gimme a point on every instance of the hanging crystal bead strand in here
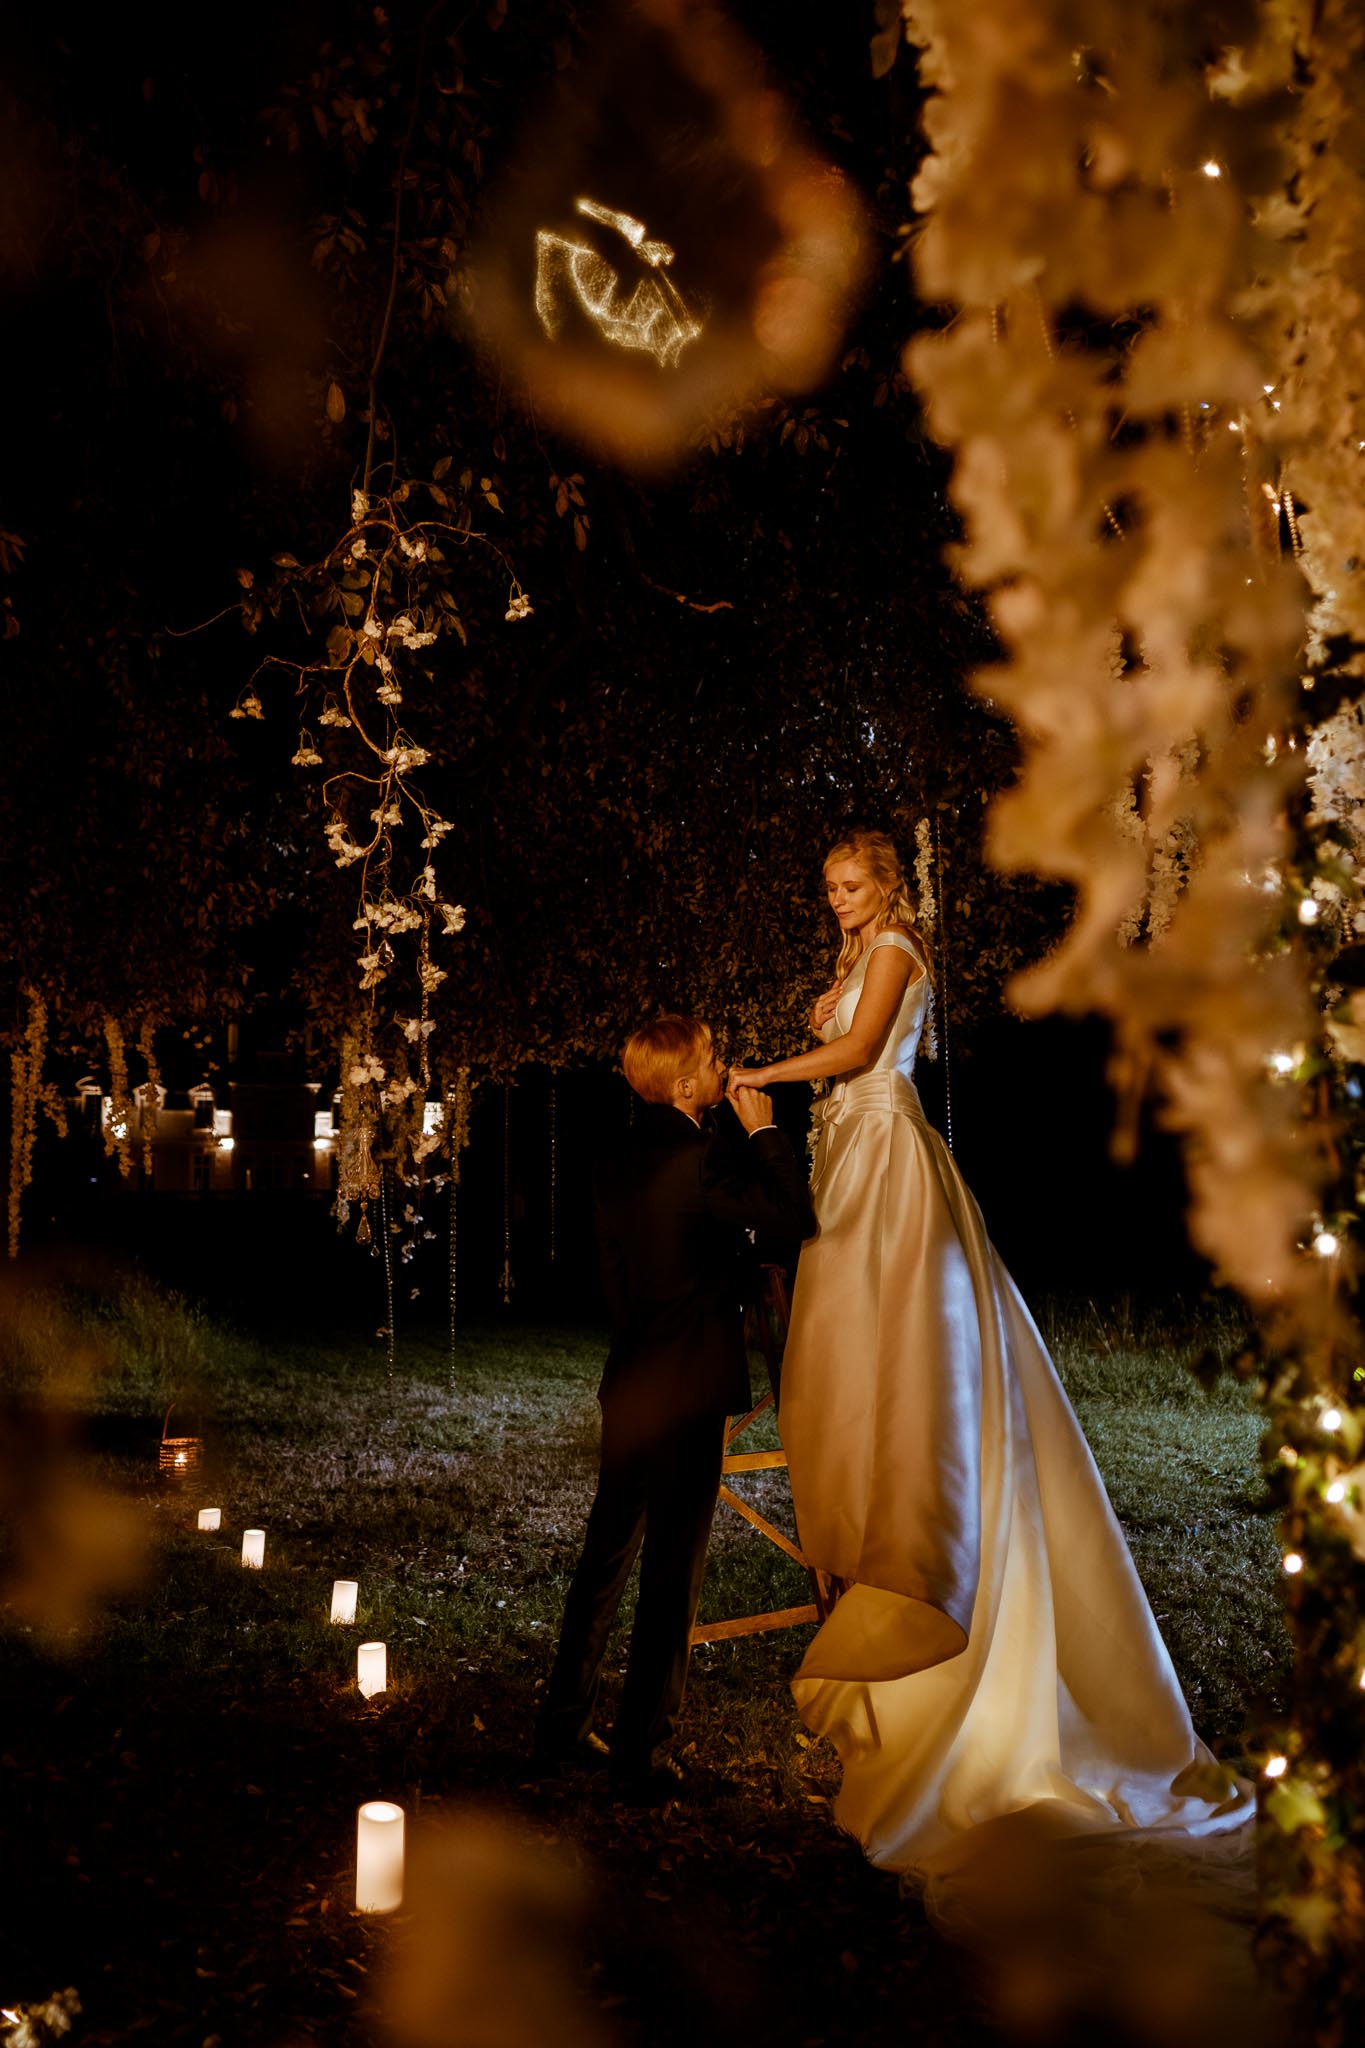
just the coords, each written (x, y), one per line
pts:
(943, 1004)
(506, 1195)
(388, 1263)
(455, 1188)
(553, 1168)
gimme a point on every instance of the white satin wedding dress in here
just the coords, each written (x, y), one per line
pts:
(996, 1652)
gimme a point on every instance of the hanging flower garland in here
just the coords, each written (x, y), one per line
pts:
(1081, 185)
(387, 590)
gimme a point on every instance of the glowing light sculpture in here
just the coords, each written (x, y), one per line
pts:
(654, 319)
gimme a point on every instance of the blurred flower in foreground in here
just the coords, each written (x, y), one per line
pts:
(666, 245)
(1084, 1938)
(493, 1953)
(68, 1543)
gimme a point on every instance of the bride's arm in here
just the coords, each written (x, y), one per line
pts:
(889, 973)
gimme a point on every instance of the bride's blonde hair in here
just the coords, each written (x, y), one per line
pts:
(877, 856)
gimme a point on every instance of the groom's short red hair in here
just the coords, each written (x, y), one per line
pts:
(661, 1052)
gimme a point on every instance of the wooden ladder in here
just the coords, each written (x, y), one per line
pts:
(771, 1318)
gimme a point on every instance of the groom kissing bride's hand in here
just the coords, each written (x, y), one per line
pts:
(676, 1195)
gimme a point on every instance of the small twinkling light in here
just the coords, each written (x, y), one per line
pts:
(1335, 1492)
(1288, 1455)
(1331, 1418)
(1211, 169)
(1326, 1244)
(1308, 910)
(1276, 1766)
(1282, 1062)
(1293, 1563)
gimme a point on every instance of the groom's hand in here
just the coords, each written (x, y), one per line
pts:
(753, 1108)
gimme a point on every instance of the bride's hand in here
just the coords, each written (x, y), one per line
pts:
(748, 1077)
(825, 1006)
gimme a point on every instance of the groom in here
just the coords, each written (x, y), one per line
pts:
(674, 1201)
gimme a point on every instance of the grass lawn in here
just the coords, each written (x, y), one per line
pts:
(178, 1783)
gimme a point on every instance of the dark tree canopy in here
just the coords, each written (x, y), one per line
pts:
(217, 336)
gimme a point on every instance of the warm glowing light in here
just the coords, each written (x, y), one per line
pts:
(655, 318)
(1276, 1766)
(210, 1518)
(1293, 1563)
(1288, 1455)
(226, 1144)
(344, 1593)
(1309, 910)
(253, 1549)
(372, 1669)
(1335, 1492)
(1331, 1418)
(1326, 1244)
(1267, 388)
(1211, 169)
(1282, 1062)
(322, 1144)
(181, 1459)
(379, 1857)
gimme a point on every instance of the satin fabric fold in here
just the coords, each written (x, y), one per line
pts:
(996, 1651)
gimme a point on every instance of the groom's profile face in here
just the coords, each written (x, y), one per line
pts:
(709, 1080)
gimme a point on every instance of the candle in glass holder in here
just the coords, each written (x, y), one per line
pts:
(343, 1599)
(253, 1548)
(379, 1857)
(372, 1668)
(210, 1518)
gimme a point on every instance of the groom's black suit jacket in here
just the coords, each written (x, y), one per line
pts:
(673, 1204)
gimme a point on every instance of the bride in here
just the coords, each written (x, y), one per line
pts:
(994, 1652)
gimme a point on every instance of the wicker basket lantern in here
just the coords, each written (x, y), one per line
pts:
(180, 1455)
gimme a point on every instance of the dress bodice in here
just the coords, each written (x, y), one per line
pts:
(898, 1049)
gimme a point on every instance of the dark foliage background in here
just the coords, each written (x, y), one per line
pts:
(196, 249)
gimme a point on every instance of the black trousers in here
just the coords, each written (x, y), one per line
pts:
(656, 1499)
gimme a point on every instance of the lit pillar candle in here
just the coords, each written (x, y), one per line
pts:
(343, 1599)
(210, 1518)
(379, 1857)
(253, 1548)
(372, 1669)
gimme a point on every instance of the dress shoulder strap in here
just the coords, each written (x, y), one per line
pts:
(898, 940)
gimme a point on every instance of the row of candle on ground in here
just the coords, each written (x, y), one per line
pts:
(372, 1659)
